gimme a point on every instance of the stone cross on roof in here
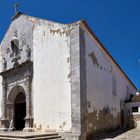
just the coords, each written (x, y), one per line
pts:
(16, 7)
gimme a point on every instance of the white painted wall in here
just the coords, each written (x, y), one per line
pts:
(51, 85)
(0, 82)
(99, 81)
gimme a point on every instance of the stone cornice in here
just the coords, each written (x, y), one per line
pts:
(14, 69)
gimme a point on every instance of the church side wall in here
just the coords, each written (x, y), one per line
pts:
(51, 81)
(107, 89)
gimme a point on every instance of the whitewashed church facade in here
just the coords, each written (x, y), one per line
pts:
(59, 77)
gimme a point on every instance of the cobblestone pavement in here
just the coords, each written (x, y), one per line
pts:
(133, 134)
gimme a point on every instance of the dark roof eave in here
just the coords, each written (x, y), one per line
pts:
(16, 16)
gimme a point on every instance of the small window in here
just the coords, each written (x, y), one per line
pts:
(114, 85)
(127, 90)
(135, 109)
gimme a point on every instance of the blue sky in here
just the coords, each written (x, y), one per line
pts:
(115, 22)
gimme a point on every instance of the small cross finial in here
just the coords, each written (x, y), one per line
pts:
(16, 7)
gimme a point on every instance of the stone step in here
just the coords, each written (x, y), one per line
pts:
(46, 138)
(30, 136)
(36, 138)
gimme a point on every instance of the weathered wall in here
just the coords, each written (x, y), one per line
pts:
(52, 88)
(107, 89)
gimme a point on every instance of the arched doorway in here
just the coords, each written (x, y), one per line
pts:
(19, 111)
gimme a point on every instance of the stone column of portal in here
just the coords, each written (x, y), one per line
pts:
(4, 94)
(29, 118)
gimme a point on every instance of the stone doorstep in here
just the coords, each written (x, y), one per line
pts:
(26, 135)
(46, 138)
(36, 138)
(39, 138)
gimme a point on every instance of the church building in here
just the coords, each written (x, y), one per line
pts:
(60, 78)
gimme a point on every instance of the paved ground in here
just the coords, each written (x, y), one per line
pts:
(133, 134)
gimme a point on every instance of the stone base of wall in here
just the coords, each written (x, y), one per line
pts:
(101, 132)
(134, 121)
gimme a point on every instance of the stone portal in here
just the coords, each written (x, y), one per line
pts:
(17, 98)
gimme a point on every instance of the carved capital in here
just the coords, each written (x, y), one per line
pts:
(4, 82)
(28, 51)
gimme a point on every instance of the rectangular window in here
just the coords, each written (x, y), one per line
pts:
(127, 90)
(135, 109)
(114, 86)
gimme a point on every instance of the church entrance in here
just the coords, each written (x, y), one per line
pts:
(20, 111)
